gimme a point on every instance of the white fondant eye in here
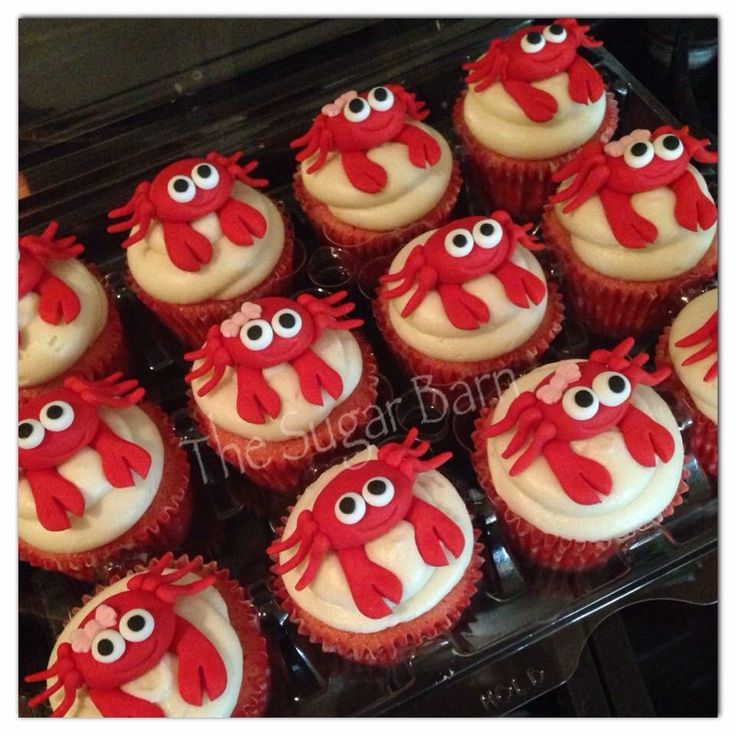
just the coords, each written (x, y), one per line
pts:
(205, 176)
(357, 110)
(381, 99)
(256, 334)
(30, 434)
(487, 233)
(108, 646)
(532, 43)
(612, 388)
(286, 323)
(350, 508)
(57, 416)
(459, 242)
(669, 147)
(137, 625)
(555, 33)
(378, 491)
(181, 189)
(639, 154)
(580, 403)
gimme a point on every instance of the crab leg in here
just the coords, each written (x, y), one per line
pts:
(423, 149)
(537, 104)
(522, 402)
(693, 208)
(432, 529)
(412, 266)
(363, 173)
(628, 226)
(529, 420)
(544, 433)
(54, 496)
(465, 310)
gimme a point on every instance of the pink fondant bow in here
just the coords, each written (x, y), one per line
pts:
(333, 109)
(618, 148)
(566, 373)
(105, 618)
(248, 311)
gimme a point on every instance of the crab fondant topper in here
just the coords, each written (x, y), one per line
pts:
(459, 252)
(188, 190)
(56, 425)
(707, 333)
(639, 162)
(580, 400)
(535, 53)
(125, 637)
(356, 123)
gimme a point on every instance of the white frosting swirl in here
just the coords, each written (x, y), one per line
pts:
(691, 318)
(109, 512)
(328, 597)
(638, 494)
(428, 330)
(234, 269)
(338, 348)
(496, 120)
(409, 194)
(675, 251)
(208, 612)
(46, 350)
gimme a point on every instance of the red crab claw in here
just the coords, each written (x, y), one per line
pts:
(585, 84)
(520, 285)
(317, 139)
(57, 301)
(537, 104)
(200, 667)
(54, 496)
(255, 398)
(465, 310)
(240, 222)
(45, 245)
(490, 68)
(432, 529)
(188, 250)
(327, 311)
(581, 478)
(116, 703)
(139, 210)
(110, 391)
(315, 375)
(241, 173)
(628, 226)
(369, 583)
(645, 439)
(68, 677)
(693, 209)
(120, 457)
(363, 174)
(423, 149)
(214, 357)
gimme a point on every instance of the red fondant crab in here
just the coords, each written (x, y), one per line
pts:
(268, 332)
(184, 192)
(362, 503)
(535, 53)
(355, 123)
(57, 301)
(126, 636)
(707, 333)
(578, 401)
(56, 425)
(639, 162)
(458, 252)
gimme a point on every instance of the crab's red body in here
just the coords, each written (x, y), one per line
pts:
(58, 302)
(578, 401)
(361, 504)
(535, 53)
(356, 123)
(184, 192)
(56, 425)
(639, 162)
(707, 333)
(459, 252)
(125, 637)
(266, 333)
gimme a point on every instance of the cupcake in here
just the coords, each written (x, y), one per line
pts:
(633, 225)
(67, 322)
(532, 102)
(578, 455)
(690, 347)
(101, 475)
(201, 240)
(281, 382)
(378, 555)
(372, 175)
(175, 639)
(467, 300)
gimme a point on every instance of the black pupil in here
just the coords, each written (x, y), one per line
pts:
(381, 94)
(181, 185)
(487, 229)
(356, 104)
(54, 411)
(347, 505)
(639, 149)
(204, 171)
(671, 142)
(287, 320)
(534, 38)
(556, 29)
(584, 399)
(25, 429)
(376, 487)
(136, 623)
(460, 241)
(255, 332)
(617, 384)
(105, 647)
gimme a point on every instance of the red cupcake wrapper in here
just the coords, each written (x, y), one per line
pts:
(521, 186)
(163, 526)
(280, 466)
(549, 550)
(256, 685)
(366, 245)
(190, 322)
(615, 308)
(397, 642)
(703, 432)
(445, 373)
(107, 354)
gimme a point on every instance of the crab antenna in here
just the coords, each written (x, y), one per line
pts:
(161, 565)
